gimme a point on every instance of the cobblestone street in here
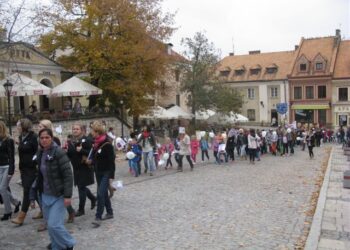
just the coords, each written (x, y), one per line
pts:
(228, 206)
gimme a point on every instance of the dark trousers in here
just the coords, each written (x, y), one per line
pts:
(83, 193)
(311, 153)
(231, 153)
(252, 153)
(188, 157)
(169, 162)
(27, 181)
(205, 152)
(102, 195)
(285, 148)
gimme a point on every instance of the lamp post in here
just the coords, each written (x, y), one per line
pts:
(8, 88)
(122, 117)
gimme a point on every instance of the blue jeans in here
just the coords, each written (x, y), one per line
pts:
(102, 194)
(148, 160)
(54, 212)
(134, 168)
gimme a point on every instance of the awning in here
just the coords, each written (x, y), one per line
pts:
(310, 106)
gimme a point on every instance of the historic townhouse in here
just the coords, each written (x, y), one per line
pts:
(341, 86)
(310, 81)
(27, 60)
(262, 80)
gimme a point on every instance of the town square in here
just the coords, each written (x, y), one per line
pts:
(161, 124)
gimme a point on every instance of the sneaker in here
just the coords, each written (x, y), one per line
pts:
(17, 207)
(179, 170)
(97, 222)
(71, 218)
(108, 217)
(93, 203)
(49, 246)
(151, 174)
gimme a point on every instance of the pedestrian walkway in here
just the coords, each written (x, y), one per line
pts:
(331, 223)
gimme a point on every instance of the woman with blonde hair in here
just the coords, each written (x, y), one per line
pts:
(7, 168)
(103, 159)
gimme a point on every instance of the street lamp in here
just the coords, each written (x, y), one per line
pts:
(8, 88)
(122, 117)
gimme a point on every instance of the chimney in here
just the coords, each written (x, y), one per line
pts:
(231, 54)
(169, 48)
(337, 32)
(253, 52)
(296, 47)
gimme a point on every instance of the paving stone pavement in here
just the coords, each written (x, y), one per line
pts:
(332, 228)
(228, 206)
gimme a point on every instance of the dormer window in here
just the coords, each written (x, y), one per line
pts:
(254, 71)
(239, 72)
(224, 73)
(271, 69)
(302, 67)
(319, 66)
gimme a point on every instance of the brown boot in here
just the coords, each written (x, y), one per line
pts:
(39, 215)
(42, 227)
(19, 219)
(71, 218)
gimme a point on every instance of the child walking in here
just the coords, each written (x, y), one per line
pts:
(204, 147)
(168, 147)
(194, 148)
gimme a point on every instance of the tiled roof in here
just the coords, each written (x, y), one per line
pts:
(282, 60)
(342, 65)
(310, 48)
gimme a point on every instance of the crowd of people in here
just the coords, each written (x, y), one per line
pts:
(49, 170)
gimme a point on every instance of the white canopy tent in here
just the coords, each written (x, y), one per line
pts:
(74, 86)
(231, 118)
(204, 115)
(178, 113)
(158, 112)
(24, 86)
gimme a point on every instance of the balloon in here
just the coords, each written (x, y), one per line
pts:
(289, 130)
(263, 133)
(211, 134)
(130, 155)
(274, 133)
(298, 139)
(202, 133)
(165, 156)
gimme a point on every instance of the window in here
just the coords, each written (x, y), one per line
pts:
(274, 92)
(319, 66)
(177, 75)
(322, 117)
(251, 93)
(178, 100)
(321, 92)
(309, 92)
(343, 94)
(254, 71)
(271, 70)
(239, 72)
(251, 114)
(224, 73)
(298, 93)
(302, 67)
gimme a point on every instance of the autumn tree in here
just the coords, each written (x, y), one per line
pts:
(118, 42)
(200, 80)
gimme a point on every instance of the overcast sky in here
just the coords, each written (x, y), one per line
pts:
(266, 25)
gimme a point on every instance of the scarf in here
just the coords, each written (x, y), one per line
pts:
(99, 140)
(145, 134)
